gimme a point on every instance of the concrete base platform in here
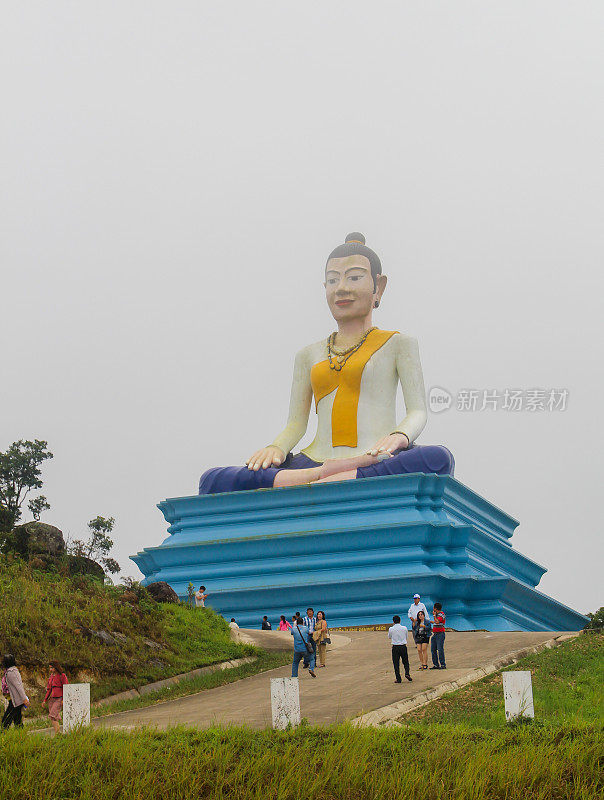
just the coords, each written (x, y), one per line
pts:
(358, 679)
(354, 549)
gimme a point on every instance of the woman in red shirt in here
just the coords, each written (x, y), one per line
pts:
(54, 693)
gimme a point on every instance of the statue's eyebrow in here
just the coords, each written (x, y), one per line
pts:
(346, 271)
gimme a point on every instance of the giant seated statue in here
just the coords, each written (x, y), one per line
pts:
(353, 376)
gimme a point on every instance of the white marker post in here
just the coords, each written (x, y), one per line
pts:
(285, 702)
(76, 706)
(518, 695)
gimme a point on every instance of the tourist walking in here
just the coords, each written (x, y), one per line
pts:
(438, 638)
(397, 634)
(266, 626)
(310, 622)
(302, 649)
(200, 597)
(284, 624)
(12, 687)
(422, 630)
(321, 637)
(54, 693)
(415, 607)
(235, 632)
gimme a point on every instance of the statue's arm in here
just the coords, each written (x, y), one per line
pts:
(411, 377)
(299, 409)
(299, 405)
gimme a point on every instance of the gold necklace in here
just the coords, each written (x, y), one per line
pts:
(342, 356)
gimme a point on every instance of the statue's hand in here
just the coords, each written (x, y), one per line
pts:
(271, 456)
(395, 441)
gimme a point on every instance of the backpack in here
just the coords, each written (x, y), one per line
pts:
(5, 690)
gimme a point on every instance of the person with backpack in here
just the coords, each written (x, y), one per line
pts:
(302, 648)
(438, 638)
(12, 687)
(54, 693)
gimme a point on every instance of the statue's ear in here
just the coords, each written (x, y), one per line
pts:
(380, 286)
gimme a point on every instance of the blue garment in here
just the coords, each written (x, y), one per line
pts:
(299, 631)
(438, 649)
(417, 458)
(296, 662)
(310, 623)
(422, 638)
(300, 651)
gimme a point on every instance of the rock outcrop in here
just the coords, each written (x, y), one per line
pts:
(38, 538)
(162, 592)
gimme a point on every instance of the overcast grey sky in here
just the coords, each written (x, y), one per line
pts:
(174, 176)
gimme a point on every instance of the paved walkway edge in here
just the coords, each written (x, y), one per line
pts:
(387, 715)
(149, 688)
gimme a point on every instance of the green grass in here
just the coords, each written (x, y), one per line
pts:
(50, 616)
(567, 688)
(264, 661)
(554, 763)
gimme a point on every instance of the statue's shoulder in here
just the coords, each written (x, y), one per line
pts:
(401, 341)
(317, 351)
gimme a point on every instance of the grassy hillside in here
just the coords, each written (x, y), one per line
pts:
(48, 616)
(567, 687)
(312, 763)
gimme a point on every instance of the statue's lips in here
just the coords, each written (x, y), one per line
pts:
(344, 302)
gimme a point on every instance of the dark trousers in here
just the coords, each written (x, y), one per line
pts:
(438, 649)
(11, 715)
(399, 652)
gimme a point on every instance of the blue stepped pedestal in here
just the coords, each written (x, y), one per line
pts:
(359, 550)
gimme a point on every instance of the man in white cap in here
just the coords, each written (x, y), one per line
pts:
(416, 607)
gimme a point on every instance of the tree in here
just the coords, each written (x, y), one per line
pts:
(191, 594)
(20, 473)
(596, 621)
(37, 506)
(98, 545)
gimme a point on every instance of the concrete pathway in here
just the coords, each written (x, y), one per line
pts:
(358, 678)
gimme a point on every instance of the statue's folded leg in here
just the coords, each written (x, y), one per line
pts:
(235, 479)
(300, 469)
(418, 458)
(242, 479)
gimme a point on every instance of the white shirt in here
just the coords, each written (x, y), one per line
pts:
(398, 634)
(415, 609)
(233, 625)
(200, 600)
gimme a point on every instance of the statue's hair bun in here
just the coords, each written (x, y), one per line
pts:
(355, 237)
(355, 245)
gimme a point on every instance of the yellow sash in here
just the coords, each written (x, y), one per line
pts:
(348, 384)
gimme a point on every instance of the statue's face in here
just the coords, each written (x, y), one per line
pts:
(349, 287)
